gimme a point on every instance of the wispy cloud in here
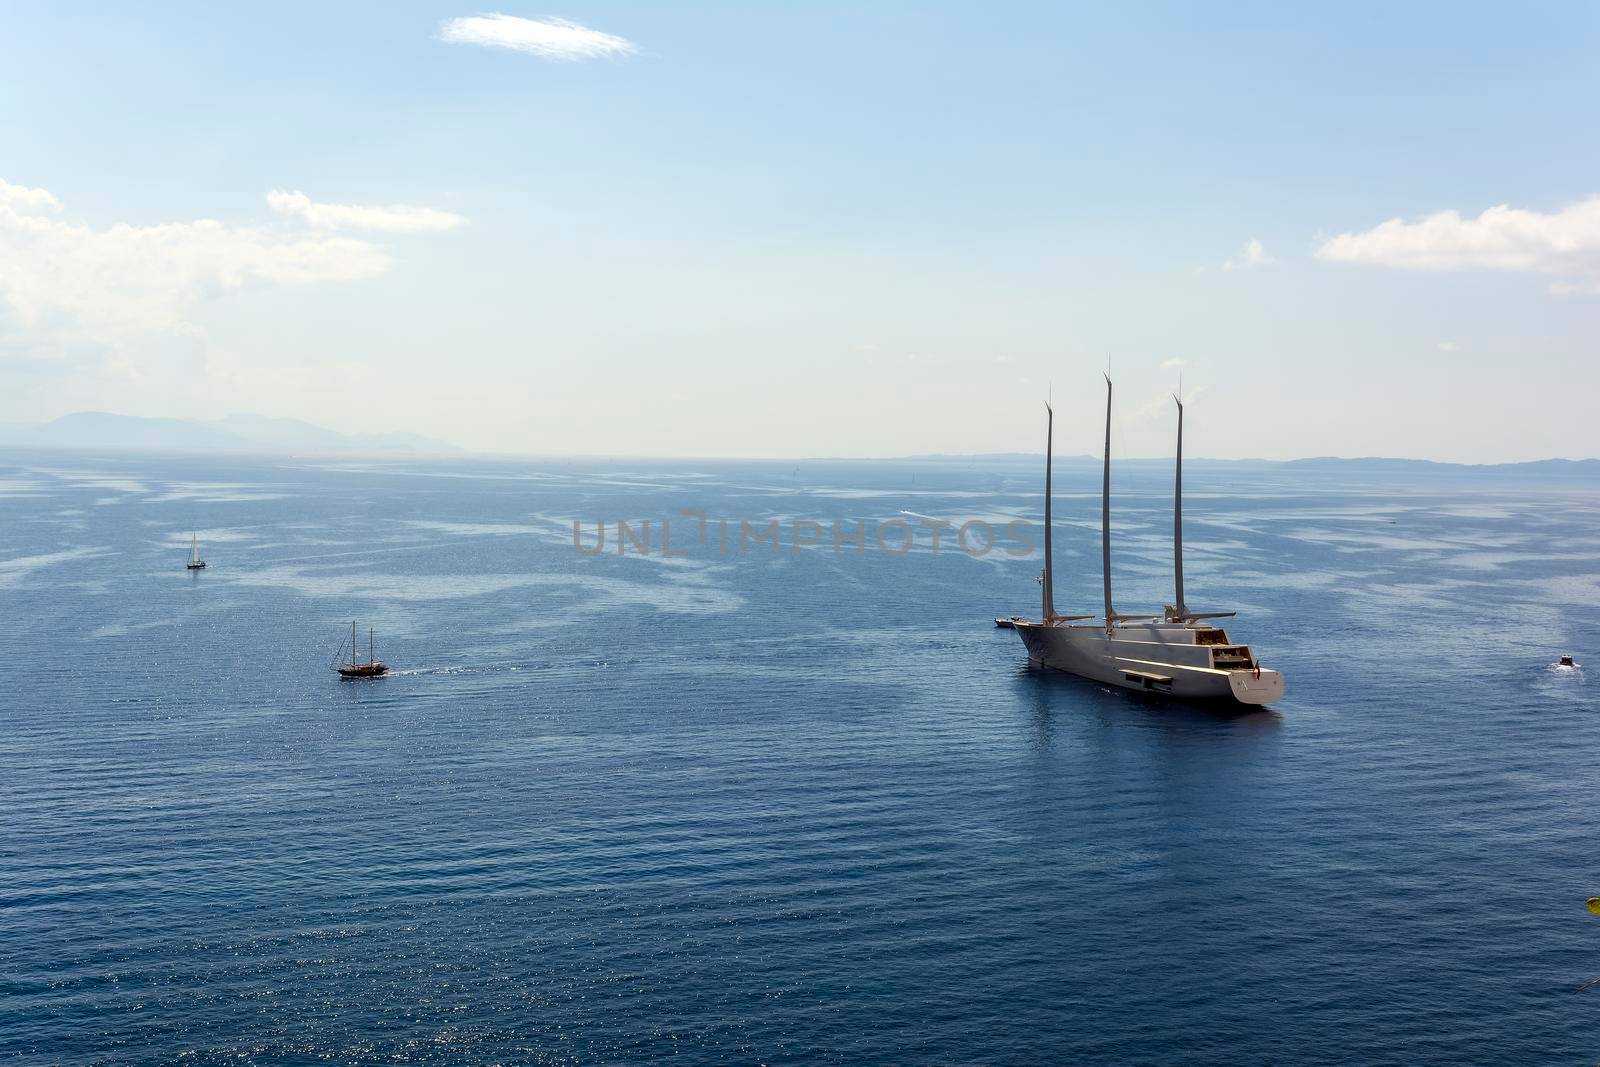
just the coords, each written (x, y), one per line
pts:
(546, 38)
(1500, 238)
(395, 218)
(110, 285)
(1159, 407)
(1170, 363)
(26, 201)
(1447, 346)
(1251, 256)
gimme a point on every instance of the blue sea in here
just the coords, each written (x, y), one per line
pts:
(797, 808)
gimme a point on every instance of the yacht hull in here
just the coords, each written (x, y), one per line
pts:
(361, 670)
(1152, 659)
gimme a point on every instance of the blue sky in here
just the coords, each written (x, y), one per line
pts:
(829, 230)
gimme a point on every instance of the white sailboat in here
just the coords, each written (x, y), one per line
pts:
(1178, 653)
(195, 562)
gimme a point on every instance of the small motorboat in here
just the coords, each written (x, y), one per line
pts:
(355, 667)
(1565, 661)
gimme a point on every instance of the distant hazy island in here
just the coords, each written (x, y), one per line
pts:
(1574, 468)
(99, 430)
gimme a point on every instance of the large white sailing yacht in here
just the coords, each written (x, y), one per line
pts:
(1179, 652)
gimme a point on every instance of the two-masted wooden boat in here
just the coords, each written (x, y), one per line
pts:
(355, 667)
(195, 562)
(1178, 653)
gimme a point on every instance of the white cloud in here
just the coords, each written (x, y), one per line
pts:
(1252, 255)
(115, 284)
(396, 218)
(1447, 346)
(547, 38)
(26, 201)
(1169, 363)
(1501, 238)
(1159, 408)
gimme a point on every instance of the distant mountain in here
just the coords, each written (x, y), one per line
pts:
(1562, 468)
(1543, 468)
(285, 435)
(236, 433)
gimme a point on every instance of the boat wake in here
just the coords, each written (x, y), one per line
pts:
(457, 669)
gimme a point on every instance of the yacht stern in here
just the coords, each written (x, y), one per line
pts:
(1256, 687)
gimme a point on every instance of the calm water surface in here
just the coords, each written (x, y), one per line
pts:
(811, 809)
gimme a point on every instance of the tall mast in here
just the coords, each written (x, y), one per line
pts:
(354, 654)
(1105, 511)
(372, 647)
(1177, 517)
(1048, 607)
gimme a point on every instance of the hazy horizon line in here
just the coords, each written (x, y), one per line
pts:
(926, 457)
(359, 443)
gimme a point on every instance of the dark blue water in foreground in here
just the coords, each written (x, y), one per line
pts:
(797, 810)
